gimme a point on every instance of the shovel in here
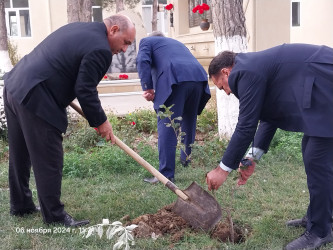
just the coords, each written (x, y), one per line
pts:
(195, 205)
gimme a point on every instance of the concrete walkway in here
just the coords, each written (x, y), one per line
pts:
(123, 103)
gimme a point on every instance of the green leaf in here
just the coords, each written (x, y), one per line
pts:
(130, 236)
(116, 223)
(91, 230)
(131, 227)
(118, 245)
(117, 230)
(100, 231)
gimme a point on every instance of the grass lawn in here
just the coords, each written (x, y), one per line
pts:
(101, 181)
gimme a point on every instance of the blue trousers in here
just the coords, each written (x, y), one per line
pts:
(186, 97)
(318, 162)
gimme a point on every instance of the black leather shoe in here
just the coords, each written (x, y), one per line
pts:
(185, 163)
(298, 222)
(21, 213)
(309, 241)
(70, 222)
(154, 180)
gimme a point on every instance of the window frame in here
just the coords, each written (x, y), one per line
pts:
(298, 22)
(194, 18)
(17, 12)
(92, 12)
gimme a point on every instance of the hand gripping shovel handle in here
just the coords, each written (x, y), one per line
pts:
(141, 161)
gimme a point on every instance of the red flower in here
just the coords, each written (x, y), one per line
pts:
(169, 6)
(205, 6)
(133, 123)
(201, 10)
(105, 77)
(123, 77)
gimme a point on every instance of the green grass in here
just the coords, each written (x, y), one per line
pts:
(101, 181)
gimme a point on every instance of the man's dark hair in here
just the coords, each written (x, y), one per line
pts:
(224, 59)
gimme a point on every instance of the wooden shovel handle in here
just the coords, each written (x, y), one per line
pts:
(141, 161)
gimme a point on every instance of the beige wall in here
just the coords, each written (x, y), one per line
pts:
(45, 17)
(268, 24)
(316, 21)
(271, 23)
(43, 21)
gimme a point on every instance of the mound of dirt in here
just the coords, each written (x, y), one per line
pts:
(166, 222)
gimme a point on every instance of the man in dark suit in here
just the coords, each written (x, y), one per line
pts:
(288, 87)
(68, 64)
(169, 75)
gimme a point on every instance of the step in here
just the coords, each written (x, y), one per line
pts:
(119, 86)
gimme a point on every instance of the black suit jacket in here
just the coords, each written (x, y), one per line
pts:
(288, 87)
(68, 64)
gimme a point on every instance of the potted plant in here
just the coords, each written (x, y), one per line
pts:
(169, 7)
(202, 11)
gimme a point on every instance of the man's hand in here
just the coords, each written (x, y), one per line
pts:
(245, 171)
(216, 178)
(149, 94)
(105, 131)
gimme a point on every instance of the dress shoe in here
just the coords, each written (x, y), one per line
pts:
(23, 212)
(298, 222)
(154, 180)
(185, 163)
(70, 222)
(309, 241)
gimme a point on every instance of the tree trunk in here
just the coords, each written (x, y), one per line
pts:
(5, 63)
(230, 34)
(154, 18)
(119, 5)
(79, 10)
(85, 10)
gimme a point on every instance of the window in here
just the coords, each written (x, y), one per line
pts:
(162, 19)
(18, 18)
(194, 17)
(97, 15)
(295, 13)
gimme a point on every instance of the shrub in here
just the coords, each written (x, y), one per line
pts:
(3, 121)
(12, 51)
(207, 120)
(145, 120)
(287, 145)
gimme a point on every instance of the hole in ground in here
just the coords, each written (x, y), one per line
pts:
(166, 222)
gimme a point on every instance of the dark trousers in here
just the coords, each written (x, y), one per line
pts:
(32, 141)
(186, 97)
(318, 161)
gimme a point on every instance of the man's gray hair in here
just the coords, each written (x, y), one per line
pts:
(157, 33)
(118, 19)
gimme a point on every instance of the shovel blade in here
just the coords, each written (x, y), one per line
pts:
(201, 210)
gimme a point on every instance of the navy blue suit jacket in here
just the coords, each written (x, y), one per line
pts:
(162, 62)
(68, 64)
(288, 87)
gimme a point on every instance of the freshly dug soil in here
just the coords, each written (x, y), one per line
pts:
(166, 222)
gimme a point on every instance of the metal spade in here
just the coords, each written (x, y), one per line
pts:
(195, 205)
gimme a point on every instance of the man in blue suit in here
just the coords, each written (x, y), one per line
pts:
(68, 64)
(288, 87)
(169, 75)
